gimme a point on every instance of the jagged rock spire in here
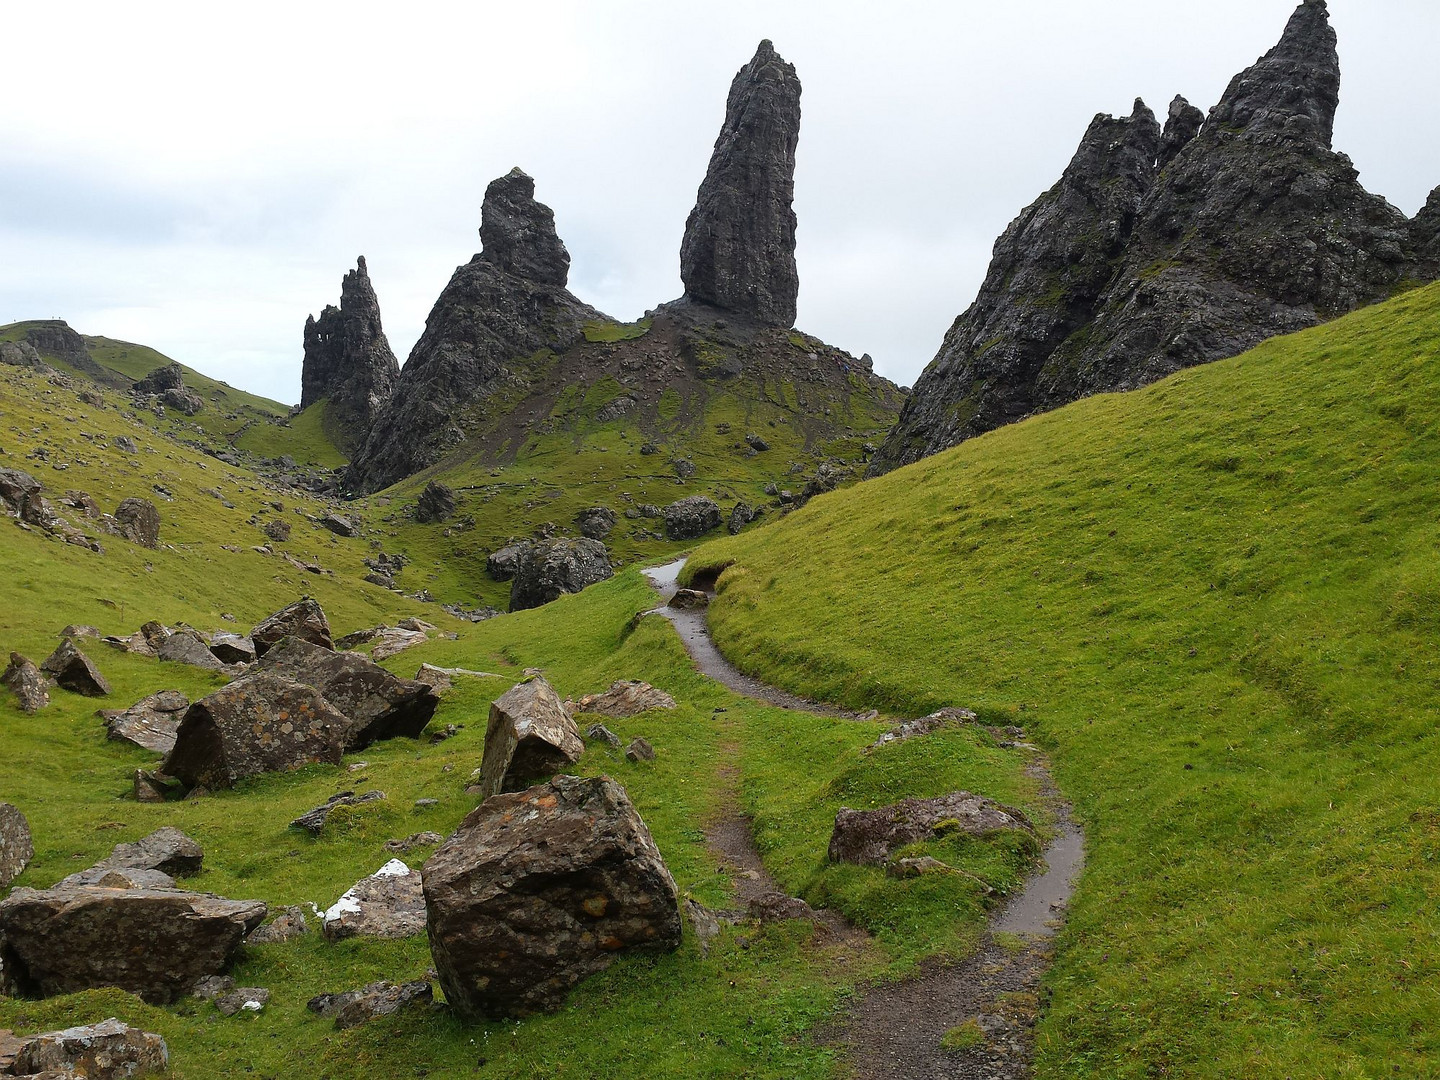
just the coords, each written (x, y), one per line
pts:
(518, 234)
(739, 247)
(1181, 126)
(1295, 87)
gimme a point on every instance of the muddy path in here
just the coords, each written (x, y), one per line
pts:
(988, 1003)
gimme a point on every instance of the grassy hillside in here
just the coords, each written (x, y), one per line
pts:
(1217, 601)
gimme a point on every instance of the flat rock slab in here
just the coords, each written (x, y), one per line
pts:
(16, 847)
(303, 619)
(387, 904)
(108, 1050)
(355, 1007)
(530, 735)
(868, 837)
(440, 678)
(243, 999)
(261, 722)
(188, 647)
(376, 704)
(539, 889)
(156, 943)
(393, 639)
(26, 683)
(166, 849)
(151, 723)
(623, 699)
(72, 670)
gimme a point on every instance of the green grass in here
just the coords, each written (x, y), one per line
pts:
(1215, 601)
(600, 330)
(964, 1036)
(301, 437)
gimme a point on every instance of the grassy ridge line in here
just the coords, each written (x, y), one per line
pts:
(1216, 600)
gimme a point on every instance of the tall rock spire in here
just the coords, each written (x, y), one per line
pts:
(739, 247)
(1295, 87)
(348, 362)
(517, 233)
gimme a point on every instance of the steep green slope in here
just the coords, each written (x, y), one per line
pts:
(1216, 600)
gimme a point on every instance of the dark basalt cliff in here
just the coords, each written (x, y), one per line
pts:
(738, 253)
(1159, 251)
(348, 362)
(502, 307)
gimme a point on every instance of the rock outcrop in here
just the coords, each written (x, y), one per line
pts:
(738, 252)
(304, 619)
(138, 520)
(1157, 251)
(508, 304)
(387, 904)
(348, 363)
(547, 569)
(74, 671)
(540, 889)
(868, 837)
(16, 846)
(30, 688)
(436, 502)
(691, 517)
(622, 700)
(529, 735)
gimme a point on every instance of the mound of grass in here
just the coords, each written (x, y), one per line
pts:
(1216, 601)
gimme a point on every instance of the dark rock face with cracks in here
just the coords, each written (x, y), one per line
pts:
(72, 670)
(156, 943)
(16, 847)
(867, 837)
(303, 619)
(138, 521)
(506, 305)
(26, 683)
(387, 904)
(1156, 252)
(547, 569)
(539, 889)
(529, 735)
(738, 252)
(348, 362)
(259, 723)
(109, 1050)
(691, 517)
(436, 502)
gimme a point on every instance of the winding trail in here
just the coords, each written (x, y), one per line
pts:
(894, 1029)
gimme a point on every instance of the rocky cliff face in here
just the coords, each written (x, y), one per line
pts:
(348, 362)
(738, 252)
(506, 305)
(1248, 227)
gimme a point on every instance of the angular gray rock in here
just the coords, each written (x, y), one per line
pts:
(529, 735)
(436, 502)
(689, 599)
(624, 699)
(596, 522)
(26, 683)
(20, 354)
(867, 837)
(188, 647)
(501, 564)
(151, 862)
(261, 722)
(16, 487)
(348, 363)
(600, 733)
(231, 648)
(287, 926)
(639, 750)
(156, 943)
(242, 999)
(738, 252)
(691, 517)
(72, 670)
(540, 889)
(16, 847)
(392, 640)
(109, 1050)
(387, 904)
(547, 569)
(169, 376)
(340, 525)
(138, 521)
(741, 514)
(382, 998)
(925, 725)
(1182, 123)
(303, 619)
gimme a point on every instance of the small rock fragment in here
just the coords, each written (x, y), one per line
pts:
(639, 750)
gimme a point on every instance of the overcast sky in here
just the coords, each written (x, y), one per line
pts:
(198, 177)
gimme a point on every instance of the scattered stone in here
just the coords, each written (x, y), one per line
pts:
(126, 444)
(540, 889)
(547, 569)
(26, 683)
(624, 699)
(138, 521)
(355, 1007)
(773, 906)
(75, 630)
(167, 377)
(72, 670)
(303, 619)
(706, 922)
(16, 847)
(212, 986)
(108, 1050)
(425, 804)
(391, 640)
(449, 731)
(639, 750)
(756, 443)
(684, 468)
(689, 599)
(111, 877)
(436, 503)
(411, 842)
(150, 723)
(529, 736)
(691, 517)
(152, 942)
(740, 516)
(942, 718)
(867, 837)
(313, 821)
(340, 526)
(188, 647)
(287, 926)
(410, 622)
(242, 999)
(277, 529)
(167, 850)
(356, 638)
(596, 522)
(231, 648)
(387, 904)
(600, 733)
(261, 722)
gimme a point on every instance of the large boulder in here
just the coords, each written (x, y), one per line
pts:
(188, 647)
(151, 723)
(530, 735)
(868, 837)
(167, 377)
(16, 487)
(156, 943)
(376, 704)
(138, 521)
(231, 648)
(26, 683)
(596, 522)
(387, 904)
(72, 670)
(547, 569)
(108, 1050)
(502, 563)
(690, 517)
(436, 502)
(16, 848)
(303, 619)
(626, 698)
(262, 722)
(166, 849)
(539, 889)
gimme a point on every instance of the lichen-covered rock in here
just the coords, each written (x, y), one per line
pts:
(340, 525)
(287, 926)
(261, 722)
(596, 522)
(17, 486)
(348, 363)
(16, 847)
(689, 599)
(625, 698)
(109, 1050)
(741, 514)
(436, 502)
(392, 640)
(188, 647)
(529, 735)
(72, 670)
(639, 750)
(387, 904)
(738, 252)
(26, 683)
(167, 853)
(547, 569)
(691, 517)
(867, 837)
(303, 619)
(152, 942)
(925, 725)
(138, 521)
(539, 889)
(277, 529)
(382, 998)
